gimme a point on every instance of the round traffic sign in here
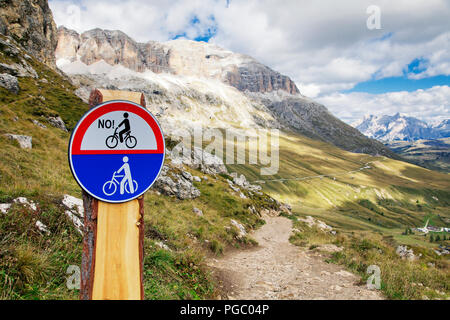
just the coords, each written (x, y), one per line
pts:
(116, 151)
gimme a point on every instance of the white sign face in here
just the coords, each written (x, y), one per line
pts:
(100, 134)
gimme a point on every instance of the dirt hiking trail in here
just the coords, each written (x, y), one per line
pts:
(277, 269)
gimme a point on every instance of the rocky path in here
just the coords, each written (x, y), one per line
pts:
(276, 269)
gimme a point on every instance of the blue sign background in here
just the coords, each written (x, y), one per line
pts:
(95, 170)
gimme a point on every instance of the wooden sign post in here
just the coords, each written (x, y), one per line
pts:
(112, 259)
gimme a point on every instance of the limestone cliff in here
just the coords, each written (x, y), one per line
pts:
(182, 57)
(30, 22)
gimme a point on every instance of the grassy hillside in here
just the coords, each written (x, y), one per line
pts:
(355, 191)
(431, 154)
(33, 264)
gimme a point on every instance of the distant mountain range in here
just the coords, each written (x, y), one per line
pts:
(401, 127)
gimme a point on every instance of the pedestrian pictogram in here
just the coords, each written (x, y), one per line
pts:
(116, 151)
(126, 184)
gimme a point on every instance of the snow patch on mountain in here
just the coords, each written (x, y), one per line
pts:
(443, 127)
(182, 101)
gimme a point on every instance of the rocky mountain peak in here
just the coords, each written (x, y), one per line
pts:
(30, 22)
(397, 127)
(182, 57)
(444, 128)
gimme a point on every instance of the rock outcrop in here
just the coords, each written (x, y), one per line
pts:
(9, 82)
(241, 181)
(25, 142)
(4, 207)
(26, 203)
(30, 22)
(183, 57)
(405, 253)
(57, 122)
(74, 211)
(198, 159)
(173, 184)
(197, 211)
(256, 77)
(240, 228)
(114, 47)
(311, 222)
(42, 227)
(21, 68)
(22, 201)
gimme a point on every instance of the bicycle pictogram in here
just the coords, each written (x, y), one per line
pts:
(123, 136)
(127, 184)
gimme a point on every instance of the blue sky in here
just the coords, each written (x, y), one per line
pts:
(325, 46)
(393, 84)
(404, 82)
(205, 34)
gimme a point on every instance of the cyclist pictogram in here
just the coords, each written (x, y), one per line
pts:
(123, 135)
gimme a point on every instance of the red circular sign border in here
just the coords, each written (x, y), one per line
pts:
(127, 106)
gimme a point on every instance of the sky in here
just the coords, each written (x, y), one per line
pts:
(357, 57)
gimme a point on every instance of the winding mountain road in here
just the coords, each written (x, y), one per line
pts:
(364, 167)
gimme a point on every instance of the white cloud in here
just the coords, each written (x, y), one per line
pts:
(142, 20)
(324, 46)
(328, 44)
(430, 104)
